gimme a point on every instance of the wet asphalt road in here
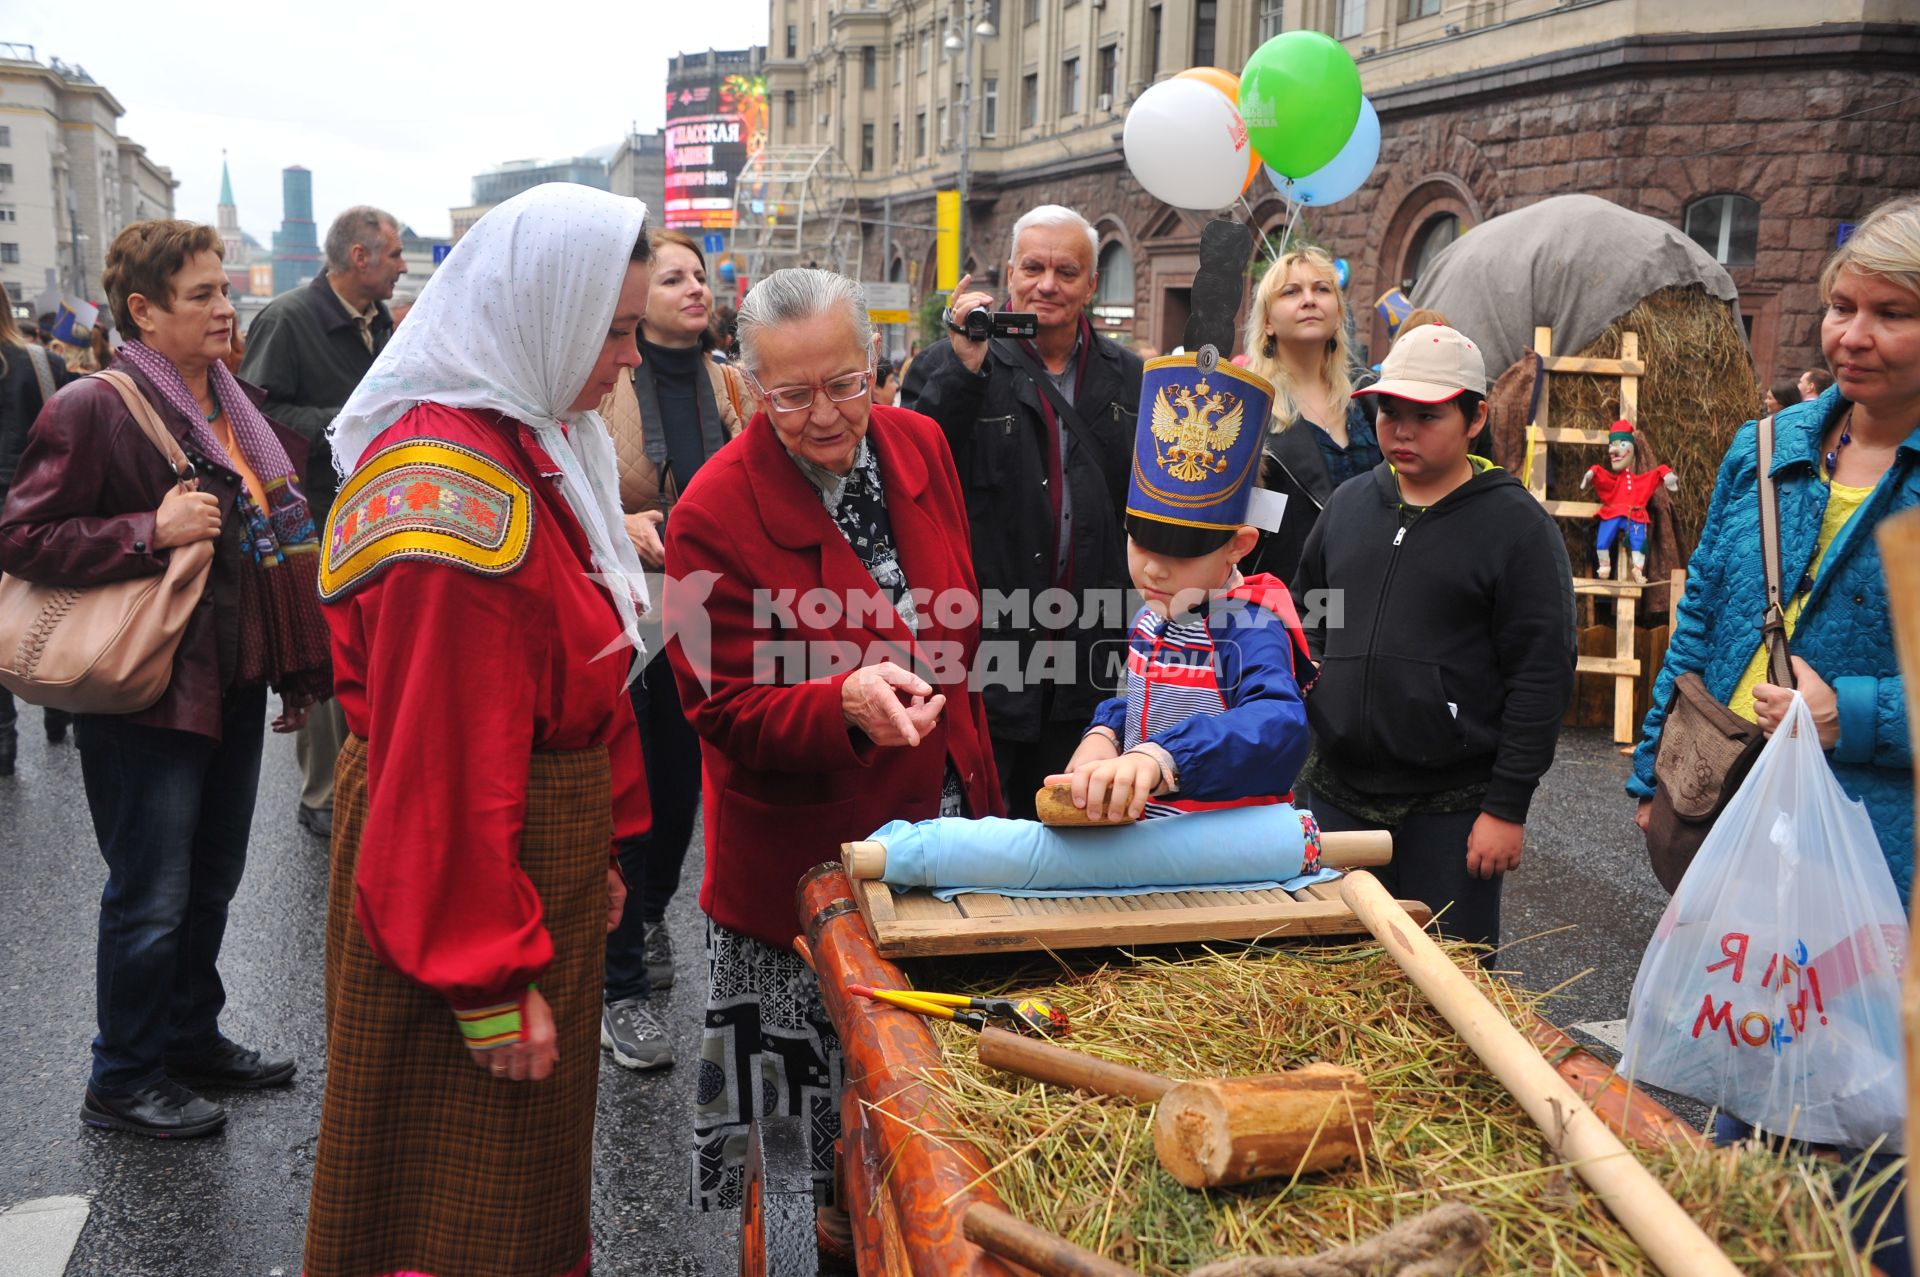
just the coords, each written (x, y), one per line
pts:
(236, 1203)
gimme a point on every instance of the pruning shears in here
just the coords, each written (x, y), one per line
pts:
(1026, 1015)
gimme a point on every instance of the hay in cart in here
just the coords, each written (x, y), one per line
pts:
(1444, 1130)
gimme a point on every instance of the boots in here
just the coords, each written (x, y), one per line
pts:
(1640, 568)
(1605, 570)
(9, 746)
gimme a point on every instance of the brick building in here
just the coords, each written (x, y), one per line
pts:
(1760, 134)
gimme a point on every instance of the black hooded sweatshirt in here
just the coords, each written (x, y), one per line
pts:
(1445, 638)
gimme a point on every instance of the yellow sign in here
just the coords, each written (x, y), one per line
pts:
(946, 235)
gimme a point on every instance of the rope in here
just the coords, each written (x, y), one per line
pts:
(1444, 1242)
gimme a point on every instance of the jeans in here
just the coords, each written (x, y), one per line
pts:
(10, 715)
(1892, 1255)
(171, 811)
(651, 863)
(1430, 865)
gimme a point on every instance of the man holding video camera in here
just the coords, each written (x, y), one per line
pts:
(1039, 410)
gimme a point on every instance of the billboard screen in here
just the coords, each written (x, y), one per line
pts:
(716, 120)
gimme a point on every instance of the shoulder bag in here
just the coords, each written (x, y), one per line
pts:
(1706, 749)
(105, 649)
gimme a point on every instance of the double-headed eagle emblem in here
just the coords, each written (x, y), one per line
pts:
(1198, 425)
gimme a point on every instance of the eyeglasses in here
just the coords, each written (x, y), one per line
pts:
(800, 398)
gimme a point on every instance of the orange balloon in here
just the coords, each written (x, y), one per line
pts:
(1228, 83)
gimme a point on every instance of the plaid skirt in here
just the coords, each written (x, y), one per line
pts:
(426, 1163)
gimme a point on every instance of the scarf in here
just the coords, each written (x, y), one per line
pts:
(513, 321)
(283, 635)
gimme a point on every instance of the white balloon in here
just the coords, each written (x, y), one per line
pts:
(1185, 142)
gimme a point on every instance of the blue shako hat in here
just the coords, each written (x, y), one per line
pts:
(1196, 454)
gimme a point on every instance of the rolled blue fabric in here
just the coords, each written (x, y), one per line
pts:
(1234, 847)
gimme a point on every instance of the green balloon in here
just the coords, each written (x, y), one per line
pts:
(1300, 98)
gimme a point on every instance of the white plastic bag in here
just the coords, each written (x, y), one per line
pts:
(1771, 988)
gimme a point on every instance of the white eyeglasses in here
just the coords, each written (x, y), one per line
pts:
(800, 398)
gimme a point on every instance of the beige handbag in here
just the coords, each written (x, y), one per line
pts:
(104, 649)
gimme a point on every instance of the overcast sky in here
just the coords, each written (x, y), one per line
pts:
(397, 104)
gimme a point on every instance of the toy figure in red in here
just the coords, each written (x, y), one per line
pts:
(1623, 500)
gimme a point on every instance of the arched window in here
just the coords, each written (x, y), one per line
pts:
(1430, 241)
(1728, 226)
(1113, 302)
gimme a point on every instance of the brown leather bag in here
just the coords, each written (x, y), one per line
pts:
(1706, 750)
(105, 649)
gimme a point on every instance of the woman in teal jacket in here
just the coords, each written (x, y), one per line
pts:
(1842, 462)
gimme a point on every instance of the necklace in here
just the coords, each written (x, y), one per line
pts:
(1846, 437)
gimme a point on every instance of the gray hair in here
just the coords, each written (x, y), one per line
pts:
(794, 294)
(1055, 215)
(360, 225)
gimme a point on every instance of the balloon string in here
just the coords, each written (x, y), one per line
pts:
(1293, 219)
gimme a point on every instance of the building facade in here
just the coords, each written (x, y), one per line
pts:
(296, 245)
(639, 169)
(1760, 134)
(68, 180)
(502, 183)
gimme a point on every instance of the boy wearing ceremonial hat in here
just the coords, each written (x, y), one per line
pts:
(1211, 716)
(1444, 678)
(1623, 499)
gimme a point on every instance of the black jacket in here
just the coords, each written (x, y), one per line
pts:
(305, 351)
(1294, 466)
(994, 426)
(20, 403)
(1447, 646)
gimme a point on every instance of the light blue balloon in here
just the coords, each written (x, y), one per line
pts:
(1345, 173)
(1341, 271)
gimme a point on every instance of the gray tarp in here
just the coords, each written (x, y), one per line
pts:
(1573, 262)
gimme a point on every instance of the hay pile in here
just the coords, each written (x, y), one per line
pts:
(1698, 390)
(1445, 1130)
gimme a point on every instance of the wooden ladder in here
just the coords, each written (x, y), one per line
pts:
(1623, 665)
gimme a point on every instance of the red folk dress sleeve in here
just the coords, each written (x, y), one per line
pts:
(454, 665)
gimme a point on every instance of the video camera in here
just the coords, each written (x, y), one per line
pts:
(983, 322)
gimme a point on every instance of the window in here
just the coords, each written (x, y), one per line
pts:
(1273, 19)
(893, 155)
(790, 106)
(945, 31)
(10, 253)
(1433, 238)
(990, 107)
(793, 39)
(1156, 31)
(6, 172)
(1033, 12)
(940, 126)
(1728, 226)
(1206, 15)
(869, 66)
(1070, 87)
(1029, 99)
(1351, 20)
(6, 135)
(6, 213)
(926, 49)
(1113, 302)
(899, 59)
(866, 148)
(1419, 9)
(1109, 71)
(920, 133)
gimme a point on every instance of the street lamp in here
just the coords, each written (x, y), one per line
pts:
(955, 43)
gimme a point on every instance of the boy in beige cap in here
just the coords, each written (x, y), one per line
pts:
(1445, 642)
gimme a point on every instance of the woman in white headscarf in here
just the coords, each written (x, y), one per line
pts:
(483, 600)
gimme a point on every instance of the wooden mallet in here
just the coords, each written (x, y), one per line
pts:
(1214, 1133)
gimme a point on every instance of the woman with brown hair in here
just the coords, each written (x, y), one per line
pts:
(1319, 435)
(677, 409)
(171, 788)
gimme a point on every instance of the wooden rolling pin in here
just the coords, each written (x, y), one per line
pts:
(868, 857)
(1668, 1235)
(1214, 1133)
(1899, 538)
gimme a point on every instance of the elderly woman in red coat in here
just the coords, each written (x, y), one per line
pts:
(825, 615)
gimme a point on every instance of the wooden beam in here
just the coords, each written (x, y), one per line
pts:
(1571, 509)
(1630, 381)
(1609, 589)
(1599, 367)
(1627, 667)
(1536, 476)
(1568, 434)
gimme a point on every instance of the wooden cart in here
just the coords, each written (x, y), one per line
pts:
(907, 1192)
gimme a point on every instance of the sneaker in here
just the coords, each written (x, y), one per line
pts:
(659, 956)
(164, 1110)
(317, 821)
(635, 1034)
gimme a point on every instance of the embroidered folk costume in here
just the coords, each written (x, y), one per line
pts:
(1214, 695)
(481, 620)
